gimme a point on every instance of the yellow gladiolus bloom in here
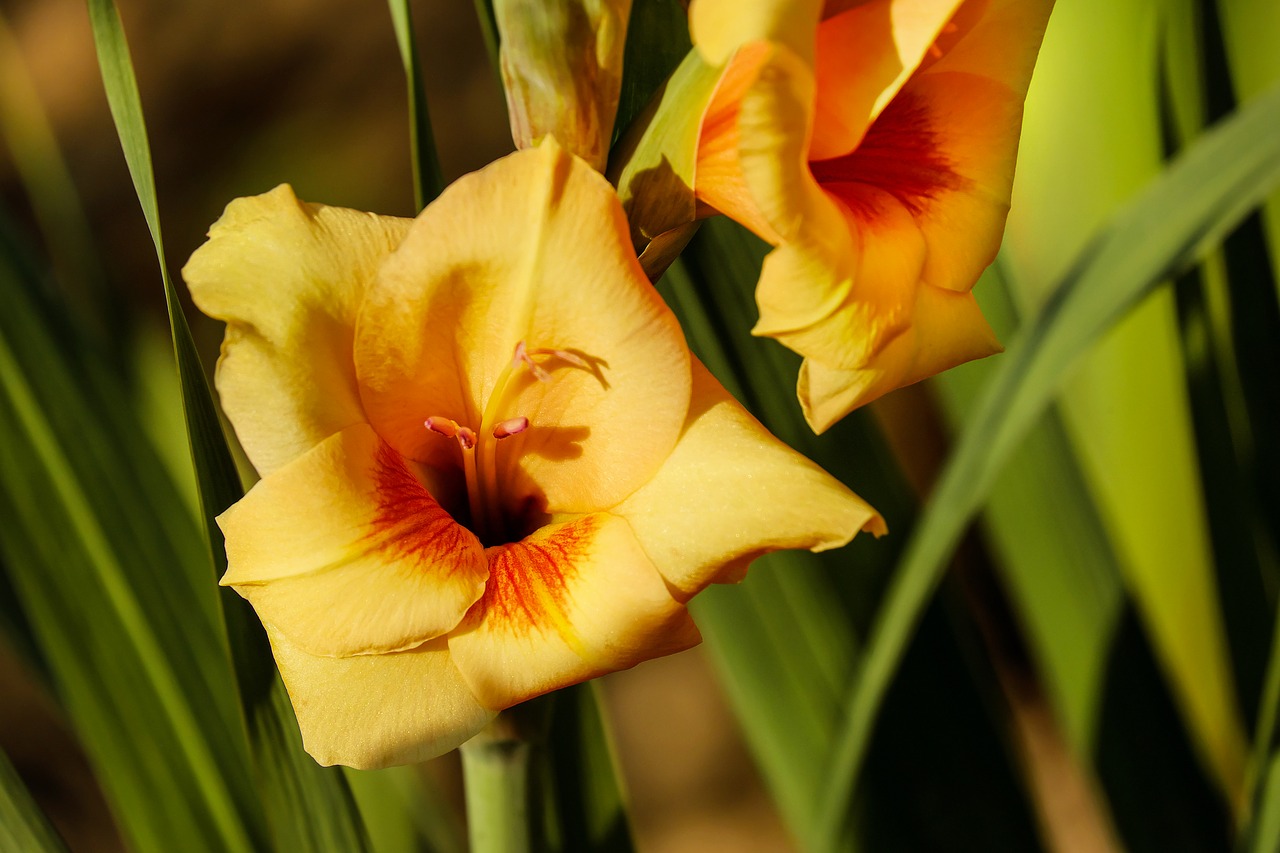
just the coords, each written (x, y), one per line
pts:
(873, 143)
(490, 466)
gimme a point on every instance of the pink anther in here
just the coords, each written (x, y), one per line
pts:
(445, 426)
(508, 428)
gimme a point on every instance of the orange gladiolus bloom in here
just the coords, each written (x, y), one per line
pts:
(490, 467)
(873, 143)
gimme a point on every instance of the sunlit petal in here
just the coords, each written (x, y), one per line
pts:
(570, 602)
(345, 551)
(754, 495)
(287, 277)
(373, 711)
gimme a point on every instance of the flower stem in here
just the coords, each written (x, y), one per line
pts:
(495, 770)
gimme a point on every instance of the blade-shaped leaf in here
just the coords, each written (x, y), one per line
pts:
(1201, 197)
(22, 825)
(312, 806)
(427, 180)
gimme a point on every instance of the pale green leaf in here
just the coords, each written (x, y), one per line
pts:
(1195, 202)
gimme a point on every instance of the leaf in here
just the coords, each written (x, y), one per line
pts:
(22, 825)
(590, 807)
(312, 807)
(1195, 202)
(427, 179)
(1055, 557)
(113, 579)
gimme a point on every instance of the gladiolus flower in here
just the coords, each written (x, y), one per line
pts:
(873, 145)
(490, 467)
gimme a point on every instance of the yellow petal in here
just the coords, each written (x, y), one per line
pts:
(863, 57)
(719, 27)
(731, 492)
(568, 603)
(374, 711)
(532, 249)
(287, 278)
(947, 329)
(345, 552)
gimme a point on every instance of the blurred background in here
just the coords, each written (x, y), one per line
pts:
(1095, 663)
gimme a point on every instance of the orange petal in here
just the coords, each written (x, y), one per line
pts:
(534, 248)
(731, 492)
(373, 711)
(570, 602)
(946, 329)
(287, 278)
(865, 307)
(345, 551)
(863, 57)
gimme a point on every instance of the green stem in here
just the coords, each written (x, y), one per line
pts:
(495, 771)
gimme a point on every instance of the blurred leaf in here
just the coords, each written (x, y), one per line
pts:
(312, 807)
(23, 826)
(405, 812)
(785, 640)
(427, 180)
(113, 577)
(590, 808)
(1230, 327)
(657, 40)
(1055, 557)
(1249, 29)
(1200, 197)
(1126, 408)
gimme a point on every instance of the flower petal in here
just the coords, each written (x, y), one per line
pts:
(568, 603)
(865, 308)
(287, 278)
(532, 249)
(731, 492)
(373, 711)
(947, 329)
(719, 27)
(346, 552)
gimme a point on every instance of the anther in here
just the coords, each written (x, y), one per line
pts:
(508, 428)
(446, 427)
(466, 438)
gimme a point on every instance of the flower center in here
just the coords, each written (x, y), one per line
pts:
(480, 446)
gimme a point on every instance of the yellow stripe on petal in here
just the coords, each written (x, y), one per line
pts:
(755, 495)
(287, 278)
(375, 711)
(346, 552)
(570, 602)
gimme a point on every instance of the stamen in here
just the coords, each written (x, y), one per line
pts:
(564, 355)
(508, 428)
(444, 426)
(466, 438)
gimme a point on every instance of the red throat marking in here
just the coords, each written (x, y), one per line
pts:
(900, 155)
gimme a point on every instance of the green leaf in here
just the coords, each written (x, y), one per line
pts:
(657, 40)
(22, 825)
(112, 576)
(1198, 199)
(1055, 557)
(427, 179)
(313, 807)
(589, 804)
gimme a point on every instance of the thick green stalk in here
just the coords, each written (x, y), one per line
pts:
(496, 766)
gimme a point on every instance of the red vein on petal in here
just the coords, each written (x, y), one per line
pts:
(901, 155)
(409, 522)
(529, 580)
